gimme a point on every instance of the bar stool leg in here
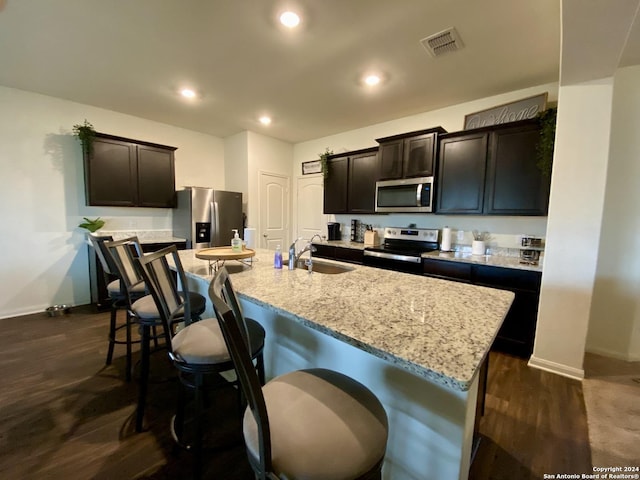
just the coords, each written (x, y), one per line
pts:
(178, 419)
(112, 335)
(197, 440)
(144, 377)
(129, 366)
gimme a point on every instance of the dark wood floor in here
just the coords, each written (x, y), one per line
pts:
(535, 423)
(63, 414)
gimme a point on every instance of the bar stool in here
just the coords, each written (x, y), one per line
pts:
(143, 310)
(196, 350)
(320, 425)
(119, 300)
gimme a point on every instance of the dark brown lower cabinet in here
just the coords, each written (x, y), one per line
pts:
(517, 334)
(342, 254)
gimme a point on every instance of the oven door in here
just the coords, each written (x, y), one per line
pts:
(393, 261)
(408, 195)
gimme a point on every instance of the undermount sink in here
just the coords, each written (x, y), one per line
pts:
(323, 267)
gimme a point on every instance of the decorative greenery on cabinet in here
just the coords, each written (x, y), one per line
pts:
(85, 133)
(547, 120)
(323, 161)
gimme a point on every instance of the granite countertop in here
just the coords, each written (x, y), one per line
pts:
(343, 244)
(505, 261)
(437, 329)
(144, 236)
(492, 260)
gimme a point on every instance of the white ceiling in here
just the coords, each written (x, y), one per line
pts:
(131, 56)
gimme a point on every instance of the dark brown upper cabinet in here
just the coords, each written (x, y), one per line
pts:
(335, 184)
(350, 185)
(492, 171)
(123, 172)
(461, 173)
(408, 155)
(515, 184)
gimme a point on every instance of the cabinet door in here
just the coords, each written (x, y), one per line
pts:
(361, 190)
(517, 334)
(390, 160)
(446, 269)
(324, 251)
(156, 183)
(515, 185)
(335, 185)
(350, 255)
(418, 154)
(110, 173)
(461, 175)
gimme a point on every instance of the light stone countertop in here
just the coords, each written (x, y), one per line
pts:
(343, 244)
(144, 236)
(491, 260)
(496, 260)
(437, 329)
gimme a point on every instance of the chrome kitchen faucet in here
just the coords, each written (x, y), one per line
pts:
(294, 257)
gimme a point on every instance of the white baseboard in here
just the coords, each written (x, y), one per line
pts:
(628, 357)
(557, 368)
(19, 313)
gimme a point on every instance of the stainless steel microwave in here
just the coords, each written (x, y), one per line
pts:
(406, 195)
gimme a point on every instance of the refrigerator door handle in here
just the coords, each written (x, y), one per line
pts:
(215, 224)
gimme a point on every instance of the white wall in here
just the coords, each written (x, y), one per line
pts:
(573, 229)
(265, 154)
(44, 258)
(614, 326)
(451, 119)
(237, 164)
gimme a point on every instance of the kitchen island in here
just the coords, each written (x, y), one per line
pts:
(417, 342)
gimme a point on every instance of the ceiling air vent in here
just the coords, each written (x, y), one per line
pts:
(443, 42)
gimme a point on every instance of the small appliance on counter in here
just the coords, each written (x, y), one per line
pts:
(530, 250)
(371, 238)
(357, 231)
(333, 231)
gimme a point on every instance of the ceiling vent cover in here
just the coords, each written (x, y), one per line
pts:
(442, 42)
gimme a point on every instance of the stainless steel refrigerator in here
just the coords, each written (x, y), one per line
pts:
(206, 217)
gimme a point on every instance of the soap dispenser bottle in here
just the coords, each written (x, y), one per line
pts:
(277, 258)
(236, 243)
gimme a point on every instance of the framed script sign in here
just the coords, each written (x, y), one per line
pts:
(311, 167)
(509, 112)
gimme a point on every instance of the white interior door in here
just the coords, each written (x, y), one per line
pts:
(309, 201)
(274, 210)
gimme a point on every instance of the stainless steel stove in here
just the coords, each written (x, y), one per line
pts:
(402, 249)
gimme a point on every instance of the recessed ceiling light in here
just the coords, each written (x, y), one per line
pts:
(372, 80)
(265, 120)
(290, 19)
(188, 93)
